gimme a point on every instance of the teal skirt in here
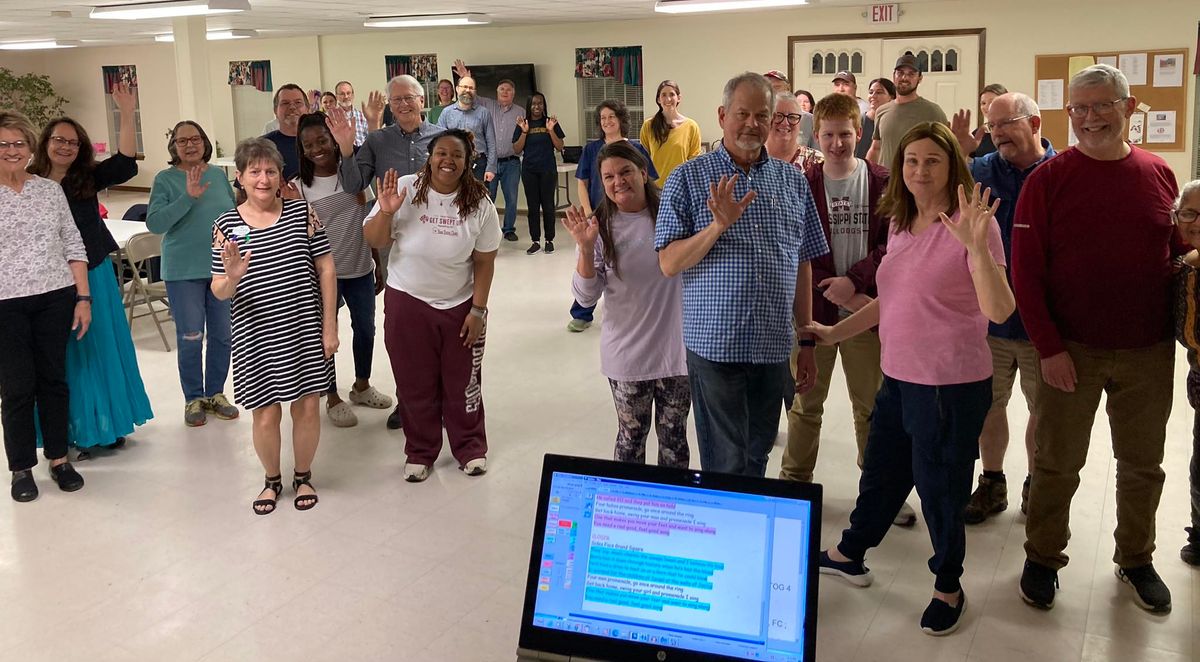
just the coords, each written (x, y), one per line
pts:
(107, 395)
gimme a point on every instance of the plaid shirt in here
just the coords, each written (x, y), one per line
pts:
(360, 126)
(737, 301)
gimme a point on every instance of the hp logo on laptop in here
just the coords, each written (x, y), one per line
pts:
(662, 655)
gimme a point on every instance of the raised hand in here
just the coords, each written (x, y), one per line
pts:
(960, 126)
(289, 191)
(461, 69)
(124, 97)
(583, 228)
(974, 218)
(194, 187)
(236, 263)
(523, 124)
(341, 125)
(390, 200)
(724, 207)
(372, 109)
(551, 122)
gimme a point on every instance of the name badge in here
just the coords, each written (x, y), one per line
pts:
(240, 233)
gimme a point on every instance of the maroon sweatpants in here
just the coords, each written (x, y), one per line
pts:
(438, 381)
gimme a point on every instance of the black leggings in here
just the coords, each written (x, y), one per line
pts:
(539, 196)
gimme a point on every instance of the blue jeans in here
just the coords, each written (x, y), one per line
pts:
(927, 437)
(736, 408)
(582, 312)
(196, 311)
(508, 178)
(359, 296)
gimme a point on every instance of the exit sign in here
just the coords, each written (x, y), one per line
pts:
(889, 13)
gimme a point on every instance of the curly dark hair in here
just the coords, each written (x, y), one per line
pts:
(78, 182)
(618, 108)
(471, 191)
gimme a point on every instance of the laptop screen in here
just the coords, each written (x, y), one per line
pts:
(676, 567)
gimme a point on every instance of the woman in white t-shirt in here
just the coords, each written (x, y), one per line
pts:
(444, 233)
(360, 274)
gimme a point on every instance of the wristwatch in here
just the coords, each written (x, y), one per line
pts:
(83, 297)
(479, 311)
(808, 342)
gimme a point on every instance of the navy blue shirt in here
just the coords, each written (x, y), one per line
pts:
(287, 149)
(589, 169)
(1006, 181)
(538, 155)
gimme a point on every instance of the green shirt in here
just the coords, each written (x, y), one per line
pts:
(185, 222)
(434, 113)
(893, 120)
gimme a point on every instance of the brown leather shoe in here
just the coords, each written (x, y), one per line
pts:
(990, 498)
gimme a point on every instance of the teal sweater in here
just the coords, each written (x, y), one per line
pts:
(185, 222)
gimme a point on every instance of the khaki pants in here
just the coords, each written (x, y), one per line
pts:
(1007, 357)
(860, 364)
(1138, 383)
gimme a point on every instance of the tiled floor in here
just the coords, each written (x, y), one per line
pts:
(160, 558)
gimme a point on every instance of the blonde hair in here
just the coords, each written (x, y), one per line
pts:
(13, 120)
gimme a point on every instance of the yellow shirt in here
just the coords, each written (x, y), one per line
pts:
(682, 144)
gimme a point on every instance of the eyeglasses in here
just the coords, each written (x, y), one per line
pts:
(1080, 111)
(1186, 215)
(792, 118)
(16, 144)
(1003, 124)
(65, 142)
(293, 104)
(407, 98)
(193, 140)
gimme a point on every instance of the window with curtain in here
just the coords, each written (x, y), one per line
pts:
(609, 73)
(125, 74)
(423, 67)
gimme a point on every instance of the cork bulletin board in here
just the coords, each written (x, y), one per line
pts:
(1157, 78)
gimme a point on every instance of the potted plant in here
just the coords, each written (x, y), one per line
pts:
(31, 94)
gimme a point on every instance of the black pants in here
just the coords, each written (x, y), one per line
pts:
(1193, 531)
(33, 355)
(479, 167)
(539, 196)
(927, 436)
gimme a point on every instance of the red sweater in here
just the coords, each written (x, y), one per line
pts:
(1092, 248)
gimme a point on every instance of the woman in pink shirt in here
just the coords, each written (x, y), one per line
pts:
(940, 282)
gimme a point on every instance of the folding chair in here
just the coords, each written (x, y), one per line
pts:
(144, 289)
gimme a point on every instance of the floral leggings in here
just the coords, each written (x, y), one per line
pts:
(671, 400)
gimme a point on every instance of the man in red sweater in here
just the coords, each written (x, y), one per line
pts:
(1091, 263)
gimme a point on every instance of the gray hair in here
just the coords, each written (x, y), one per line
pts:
(747, 78)
(1102, 74)
(408, 81)
(1190, 188)
(784, 96)
(1025, 105)
(253, 150)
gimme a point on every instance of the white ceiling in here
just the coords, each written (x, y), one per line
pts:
(21, 20)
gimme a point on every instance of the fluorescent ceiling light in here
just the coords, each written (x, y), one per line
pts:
(214, 35)
(37, 45)
(425, 21)
(169, 9)
(695, 6)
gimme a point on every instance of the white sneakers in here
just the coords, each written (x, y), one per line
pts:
(476, 467)
(415, 473)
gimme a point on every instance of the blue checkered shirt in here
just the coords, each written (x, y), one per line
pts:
(737, 301)
(360, 126)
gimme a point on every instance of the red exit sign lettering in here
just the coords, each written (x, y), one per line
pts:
(889, 13)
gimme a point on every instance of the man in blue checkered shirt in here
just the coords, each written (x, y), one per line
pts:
(741, 227)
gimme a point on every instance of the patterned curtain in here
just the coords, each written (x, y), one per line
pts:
(424, 67)
(397, 65)
(125, 74)
(251, 72)
(627, 64)
(593, 63)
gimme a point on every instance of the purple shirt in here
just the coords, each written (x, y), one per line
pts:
(641, 334)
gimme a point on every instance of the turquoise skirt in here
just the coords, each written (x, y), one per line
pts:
(107, 395)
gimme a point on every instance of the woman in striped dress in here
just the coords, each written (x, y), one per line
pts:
(270, 256)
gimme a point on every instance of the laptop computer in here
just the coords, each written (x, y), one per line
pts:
(638, 562)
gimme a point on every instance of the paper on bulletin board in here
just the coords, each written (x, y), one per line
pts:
(1078, 63)
(1050, 94)
(1161, 127)
(1133, 65)
(1137, 128)
(1110, 60)
(1168, 70)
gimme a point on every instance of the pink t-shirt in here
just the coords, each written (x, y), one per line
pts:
(931, 329)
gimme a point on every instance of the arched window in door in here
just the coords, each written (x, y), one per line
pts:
(830, 63)
(951, 59)
(818, 64)
(923, 61)
(856, 63)
(935, 60)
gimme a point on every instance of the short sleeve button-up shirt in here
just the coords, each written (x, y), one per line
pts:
(737, 301)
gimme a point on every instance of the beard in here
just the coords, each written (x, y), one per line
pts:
(467, 97)
(905, 89)
(749, 142)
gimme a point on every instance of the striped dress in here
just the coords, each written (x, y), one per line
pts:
(277, 351)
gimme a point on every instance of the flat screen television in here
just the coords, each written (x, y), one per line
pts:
(487, 76)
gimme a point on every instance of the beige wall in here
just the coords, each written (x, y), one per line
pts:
(698, 52)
